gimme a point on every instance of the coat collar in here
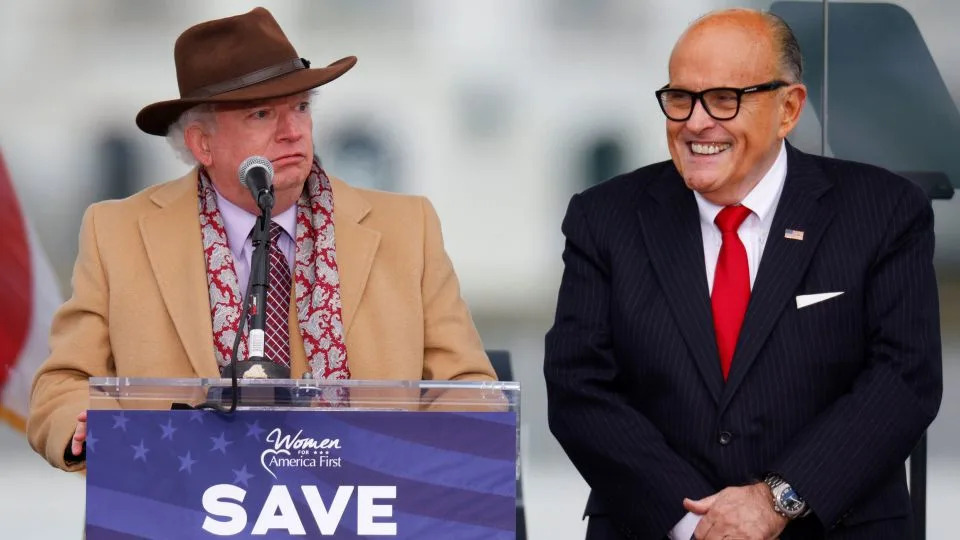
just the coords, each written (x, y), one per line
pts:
(671, 231)
(805, 206)
(356, 246)
(172, 238)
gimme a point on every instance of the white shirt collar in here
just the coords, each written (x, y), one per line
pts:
(762, 199)
(238, 223)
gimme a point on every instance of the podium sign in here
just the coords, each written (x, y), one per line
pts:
(429, 468)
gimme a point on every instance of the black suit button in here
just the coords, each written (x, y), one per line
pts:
(725, 438)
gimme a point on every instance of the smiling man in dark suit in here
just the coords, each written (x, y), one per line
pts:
(747, 339)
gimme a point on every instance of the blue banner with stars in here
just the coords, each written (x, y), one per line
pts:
(273, 474)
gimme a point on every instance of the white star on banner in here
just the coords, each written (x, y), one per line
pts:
(241, 476)
(91, 441)
(186, 463)
(254, 430)
(220, 443)
(140, 451)
(168, 429)
(120, 421)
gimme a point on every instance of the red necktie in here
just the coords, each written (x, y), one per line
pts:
(277, 336)
(731, 284)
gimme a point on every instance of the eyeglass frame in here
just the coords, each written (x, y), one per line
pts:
(698, 96)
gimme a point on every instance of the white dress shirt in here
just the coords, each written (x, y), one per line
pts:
(762, 201)
(239, 223)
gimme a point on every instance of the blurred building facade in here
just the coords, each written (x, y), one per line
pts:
(498, 111)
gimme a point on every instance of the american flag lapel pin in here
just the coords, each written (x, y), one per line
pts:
(791, 234)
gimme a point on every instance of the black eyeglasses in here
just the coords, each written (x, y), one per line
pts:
(720, 103)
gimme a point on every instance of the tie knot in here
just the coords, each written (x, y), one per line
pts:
(275, 231)
(731, 217)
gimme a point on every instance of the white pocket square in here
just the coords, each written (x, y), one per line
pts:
(804, 300)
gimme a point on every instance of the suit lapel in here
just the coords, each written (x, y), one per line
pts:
(784, 262)
(671, 232)
(356, 246)
(171, 236)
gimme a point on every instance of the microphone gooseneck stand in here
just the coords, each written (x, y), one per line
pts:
(259, 286)
(257, 291)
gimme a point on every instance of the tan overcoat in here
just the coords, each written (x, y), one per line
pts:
(140, 304)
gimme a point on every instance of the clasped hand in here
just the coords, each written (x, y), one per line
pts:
(737, 513)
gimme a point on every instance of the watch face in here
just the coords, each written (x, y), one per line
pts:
(789, 501)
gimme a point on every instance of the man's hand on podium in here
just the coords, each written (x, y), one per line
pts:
(79, 435)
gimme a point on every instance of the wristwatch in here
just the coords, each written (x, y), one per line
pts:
(786, 501)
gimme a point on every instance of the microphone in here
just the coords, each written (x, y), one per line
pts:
(256, 173)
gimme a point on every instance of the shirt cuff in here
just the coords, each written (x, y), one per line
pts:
(684, 528)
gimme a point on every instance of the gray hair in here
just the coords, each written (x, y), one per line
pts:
(202, 114)
(791, 59)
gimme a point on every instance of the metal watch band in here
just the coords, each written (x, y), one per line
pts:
(777, 486)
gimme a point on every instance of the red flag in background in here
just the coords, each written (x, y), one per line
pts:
(28, 298)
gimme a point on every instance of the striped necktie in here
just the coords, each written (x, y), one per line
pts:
(277, 336)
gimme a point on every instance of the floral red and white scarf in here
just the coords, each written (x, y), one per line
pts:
(316, 279)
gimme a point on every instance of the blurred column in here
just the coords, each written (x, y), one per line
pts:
(119, 166)
(602, 159)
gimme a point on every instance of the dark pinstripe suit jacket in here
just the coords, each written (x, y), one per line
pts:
(833, 396)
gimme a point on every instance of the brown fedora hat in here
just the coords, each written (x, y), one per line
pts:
(241, 58)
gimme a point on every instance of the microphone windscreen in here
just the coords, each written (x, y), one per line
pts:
(251, 163)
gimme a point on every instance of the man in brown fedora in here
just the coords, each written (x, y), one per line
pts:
(360, 277)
